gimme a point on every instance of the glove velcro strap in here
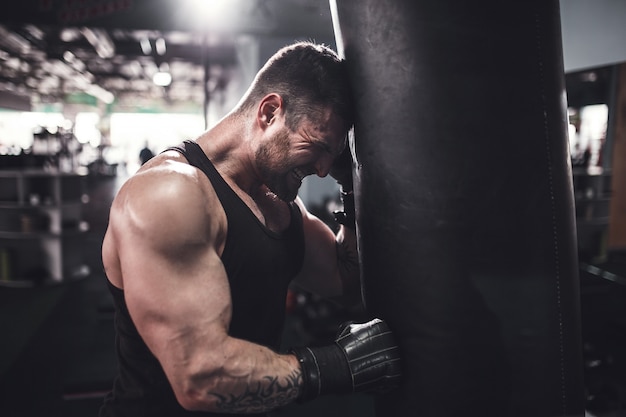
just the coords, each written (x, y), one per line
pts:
(311, 387)
(324, 370)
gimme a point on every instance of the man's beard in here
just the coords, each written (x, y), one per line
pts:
(272, 162)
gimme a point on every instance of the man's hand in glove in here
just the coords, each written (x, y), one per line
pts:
(364, 358)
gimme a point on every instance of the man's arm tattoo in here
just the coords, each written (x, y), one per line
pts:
(266, 395)
(348, 260)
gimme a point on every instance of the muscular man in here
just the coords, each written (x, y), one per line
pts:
(204, 240)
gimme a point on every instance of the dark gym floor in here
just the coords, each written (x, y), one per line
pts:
(56, 349)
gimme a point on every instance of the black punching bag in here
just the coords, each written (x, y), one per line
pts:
(465, 212)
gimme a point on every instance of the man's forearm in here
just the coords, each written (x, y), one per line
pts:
(250, 379)
(270, 392)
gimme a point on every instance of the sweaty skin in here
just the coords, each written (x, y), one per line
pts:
(167, 231)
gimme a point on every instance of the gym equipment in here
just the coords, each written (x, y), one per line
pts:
(464, 202)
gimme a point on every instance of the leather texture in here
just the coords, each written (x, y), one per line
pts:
(464, 202)
(372, 355)
(364, 358)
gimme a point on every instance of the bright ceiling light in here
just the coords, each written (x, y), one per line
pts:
(213, 11)
(162, 78)
(69, 57)
(146, 48)
(101, 42)
(159, 44)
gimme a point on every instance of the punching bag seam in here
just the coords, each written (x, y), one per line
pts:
(549, 155)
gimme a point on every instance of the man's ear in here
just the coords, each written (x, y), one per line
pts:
(269, 108)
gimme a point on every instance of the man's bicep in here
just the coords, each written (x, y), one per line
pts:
(320, 272)
(176, 305)
(174, 281)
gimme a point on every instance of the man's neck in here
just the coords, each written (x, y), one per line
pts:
(227, 145)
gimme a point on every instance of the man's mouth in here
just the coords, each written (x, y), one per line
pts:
(299, 174)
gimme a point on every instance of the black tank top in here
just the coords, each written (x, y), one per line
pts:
(260, 265)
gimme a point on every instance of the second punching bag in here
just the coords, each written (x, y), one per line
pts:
(465, 213)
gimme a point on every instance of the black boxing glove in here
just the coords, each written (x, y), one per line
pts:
(364, 358)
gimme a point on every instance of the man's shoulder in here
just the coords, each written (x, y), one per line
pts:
(169, 184)
(170, 202)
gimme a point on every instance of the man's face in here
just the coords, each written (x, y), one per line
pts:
(289, 156)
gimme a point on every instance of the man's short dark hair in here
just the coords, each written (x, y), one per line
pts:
(309, 77)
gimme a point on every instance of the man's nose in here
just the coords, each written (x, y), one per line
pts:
(323, 165)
